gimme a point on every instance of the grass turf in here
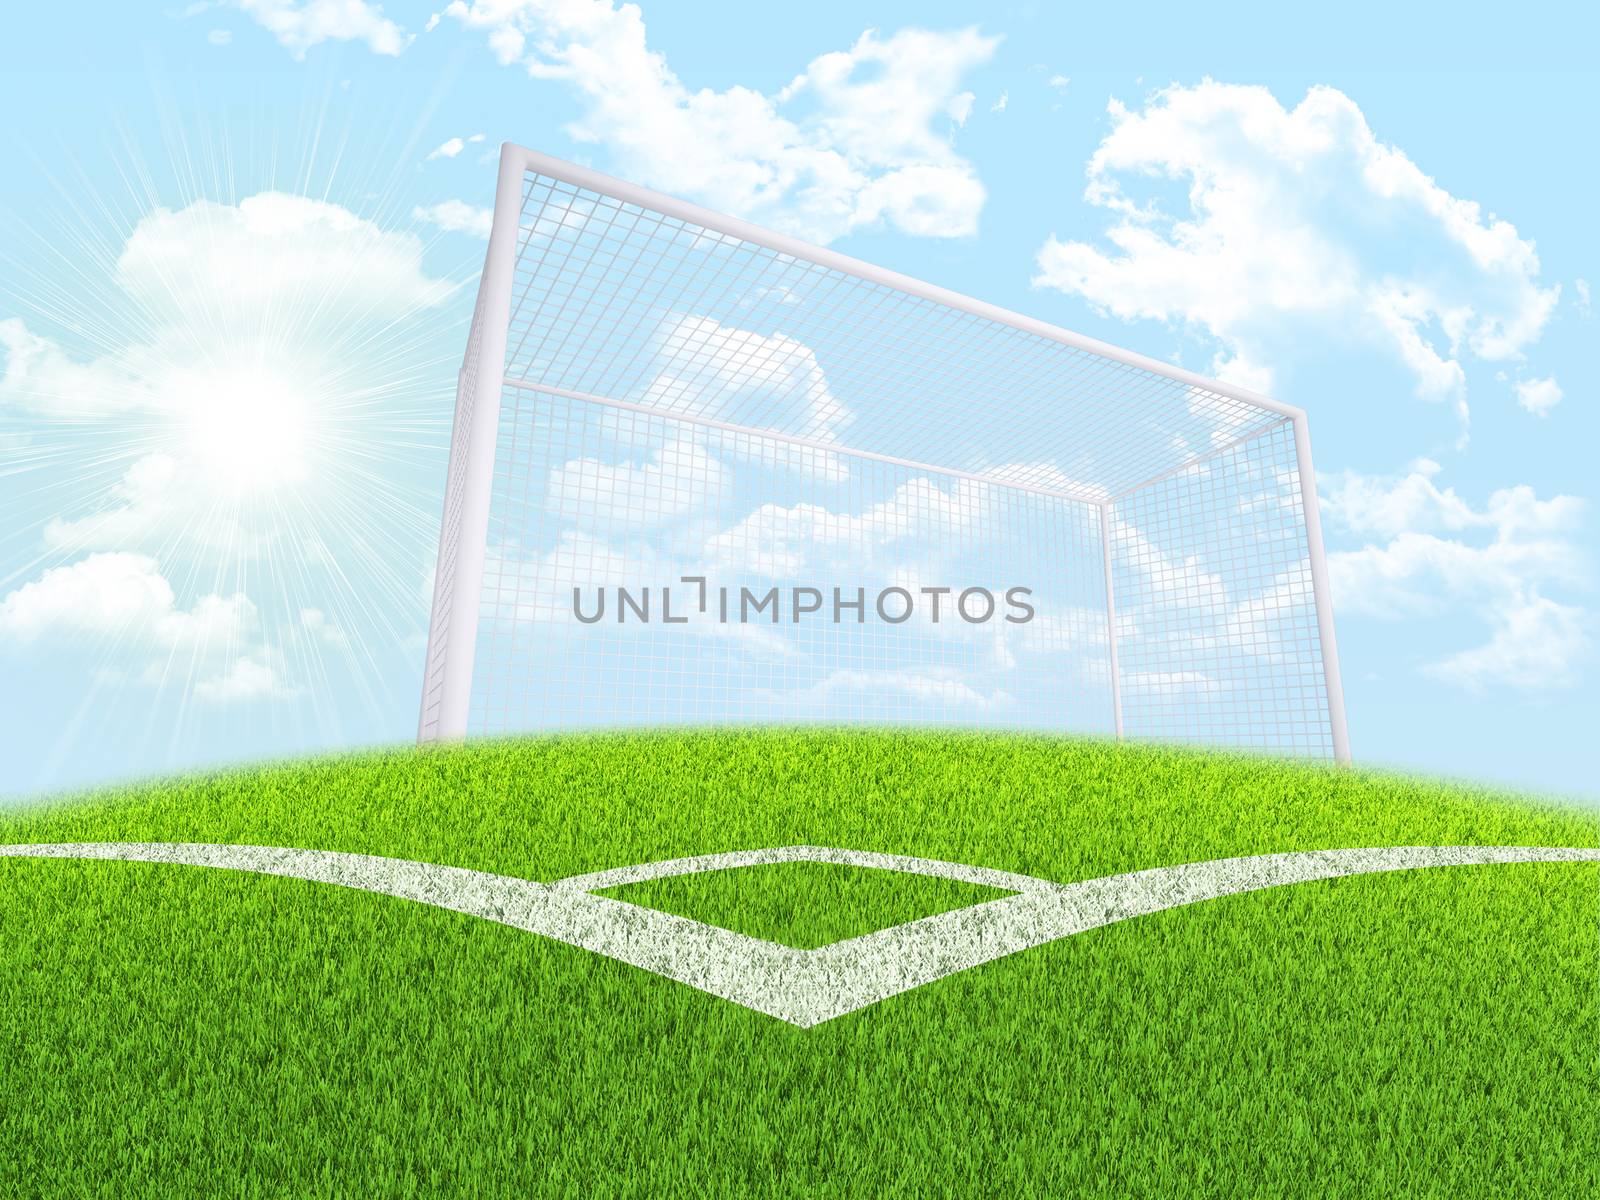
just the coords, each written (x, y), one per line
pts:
(804, 904)
(174, 1030)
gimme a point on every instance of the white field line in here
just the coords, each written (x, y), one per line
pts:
(803, 987)
(1008, 881)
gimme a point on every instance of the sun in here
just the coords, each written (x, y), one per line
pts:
(247, 430)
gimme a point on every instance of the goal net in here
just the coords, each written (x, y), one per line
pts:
(703, 473)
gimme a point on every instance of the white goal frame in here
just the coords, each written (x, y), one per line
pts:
(459, 587)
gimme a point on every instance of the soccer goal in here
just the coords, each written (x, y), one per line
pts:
(704, 473)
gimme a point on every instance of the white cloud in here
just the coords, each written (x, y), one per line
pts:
(696, 352)
(232, 262)
(1507, 553)
(1537, 644)
(104, 594)
(1295, 225)
(865, 144)
(999, 106)
(1169, 582)
(224, 293)
(457, 216)
(155, 506)
(1372, 504)
(146, 500)
(244, 679)
(122, 602)
(1583, 300)
(41, 377)
(219, 37)
(680, 478)
(1425, 575)
(256, 323)
(1539, 396)
(1177, 603)
(783, 542)
(1059, 82)
(1414, 503)
(306, 23)
(1270, 622)
(822, 465)
(708, 369)
(268, 342)
(453, 146)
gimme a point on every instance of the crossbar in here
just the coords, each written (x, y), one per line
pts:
(632, 193)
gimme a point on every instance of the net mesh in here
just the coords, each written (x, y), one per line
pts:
(708, 448)
(797, 618)
(1217, 621)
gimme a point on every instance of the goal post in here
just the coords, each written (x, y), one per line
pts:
(1317, 562)
(704, 473)
(458, 572)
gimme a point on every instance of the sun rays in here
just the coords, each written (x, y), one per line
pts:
(238, 367)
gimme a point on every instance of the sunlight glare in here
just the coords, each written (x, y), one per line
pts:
(248, 430)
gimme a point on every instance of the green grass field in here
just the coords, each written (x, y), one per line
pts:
(181, 1031)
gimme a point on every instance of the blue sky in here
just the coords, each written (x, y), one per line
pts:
(287, 198)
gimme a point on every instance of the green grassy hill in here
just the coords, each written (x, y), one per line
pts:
(187, 1031)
